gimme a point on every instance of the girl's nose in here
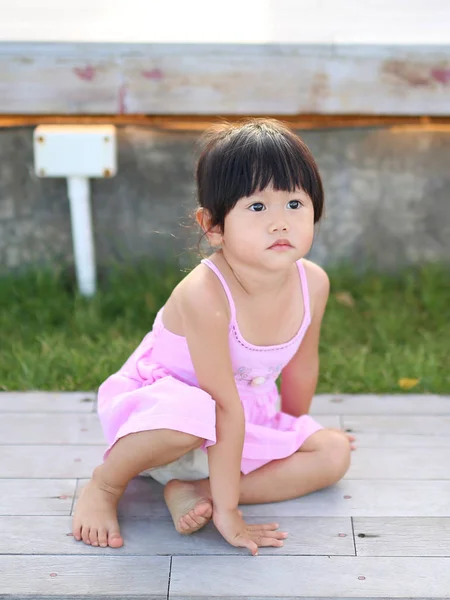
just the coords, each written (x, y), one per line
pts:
(279, 226)
(278, 220)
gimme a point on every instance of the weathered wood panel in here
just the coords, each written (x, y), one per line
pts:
(56, 428)
(400, 463)
(393, 431)
(372, 404)
(329, 421)
(376, 498)
(402, 537)
(209, 79)
(418, 426)
(392, 440)
(70, 462)
(36, 496)
(312, 577)
(44, 402)
(156, 536)
(64, 428)
(85, 576)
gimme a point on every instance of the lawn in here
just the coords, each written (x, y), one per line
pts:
(381, 333)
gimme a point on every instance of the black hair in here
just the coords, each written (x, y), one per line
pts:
(241, 158)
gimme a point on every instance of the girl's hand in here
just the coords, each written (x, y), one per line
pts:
(238, 533)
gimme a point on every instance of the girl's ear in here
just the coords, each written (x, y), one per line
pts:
(213, 234)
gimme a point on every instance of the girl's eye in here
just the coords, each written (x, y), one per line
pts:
(257, 207)
(294, 204)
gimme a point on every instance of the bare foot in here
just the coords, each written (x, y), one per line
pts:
(189, 509)
(350, 438)
(95, 520)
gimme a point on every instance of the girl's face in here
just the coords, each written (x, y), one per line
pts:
(257, 222)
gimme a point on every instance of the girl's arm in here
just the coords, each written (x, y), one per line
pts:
(299, 377)
(204, 311)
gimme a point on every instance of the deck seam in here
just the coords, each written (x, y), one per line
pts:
(74, 496)
(170, 575)
(353, 534)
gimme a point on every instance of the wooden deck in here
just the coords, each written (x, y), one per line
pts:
(382, 532)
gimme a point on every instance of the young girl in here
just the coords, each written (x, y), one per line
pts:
(195, 406)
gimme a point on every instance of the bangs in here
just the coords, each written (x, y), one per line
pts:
(247, 159)
(252, 167)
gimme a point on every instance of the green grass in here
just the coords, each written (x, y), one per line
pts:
(53, 339)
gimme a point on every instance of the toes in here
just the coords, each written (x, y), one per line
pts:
(115, 539)
(183, 527)
(202, 510)
(102, 537)
(93, 536)
(199, 522)
(201, 519)
(85, 535)
(186, 525)
(191, 522)
(76, 530)
(97, 537)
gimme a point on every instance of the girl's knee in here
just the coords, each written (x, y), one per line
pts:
(182, 440)
(157, 439)
(337, 452)
(334, 447)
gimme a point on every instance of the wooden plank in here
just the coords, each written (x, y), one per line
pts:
(331, 421)
(308, 576)
(143, 499)
(209, 79)
(391, 440)
(57, 428)
(429, 425)
(157, 536)
(401, 463)
(372, 404)
(49, 461)
(85, 576)
(36, 496)
(376, 498)
(45, 402)
(60, 428)
(402, 536)
(399, 431)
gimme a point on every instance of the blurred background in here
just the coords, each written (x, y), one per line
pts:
(366, 85)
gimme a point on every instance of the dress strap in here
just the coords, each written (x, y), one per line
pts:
(305, 290)
(214, 268)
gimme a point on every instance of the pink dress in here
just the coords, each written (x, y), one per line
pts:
(157, 389)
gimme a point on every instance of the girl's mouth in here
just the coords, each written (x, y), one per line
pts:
(281, 245)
